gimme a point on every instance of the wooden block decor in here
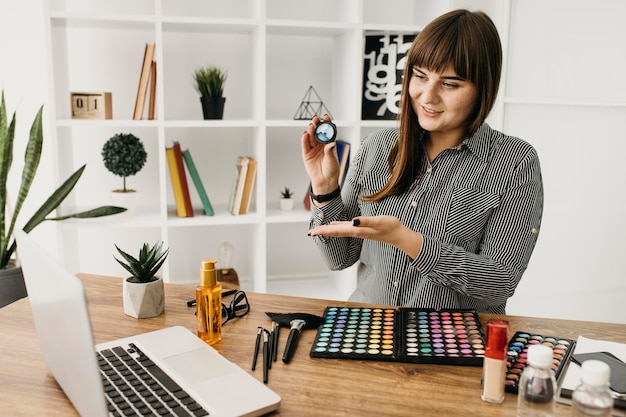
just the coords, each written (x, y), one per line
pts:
(91, 105)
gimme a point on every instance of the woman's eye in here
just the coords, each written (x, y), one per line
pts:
(449, 85)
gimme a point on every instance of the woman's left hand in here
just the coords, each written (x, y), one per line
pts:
(386, 229)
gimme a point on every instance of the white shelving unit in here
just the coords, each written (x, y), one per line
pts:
(273, 50)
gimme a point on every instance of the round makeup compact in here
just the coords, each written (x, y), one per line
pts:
(325, 132)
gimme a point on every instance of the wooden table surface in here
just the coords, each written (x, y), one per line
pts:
(308, 386)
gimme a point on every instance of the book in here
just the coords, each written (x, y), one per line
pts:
(183, 179)
(248, 186)
(238, 184)
(144, 77)
(152, 90)
(343, 155)
(176, 185)
(195, 177)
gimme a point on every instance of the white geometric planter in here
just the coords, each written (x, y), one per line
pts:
(143, 300)
(286, 204)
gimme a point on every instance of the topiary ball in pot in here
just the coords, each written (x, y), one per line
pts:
(124, 155)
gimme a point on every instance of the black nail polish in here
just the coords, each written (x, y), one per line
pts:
(356, 222)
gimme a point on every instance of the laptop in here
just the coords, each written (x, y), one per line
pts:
(201, 380)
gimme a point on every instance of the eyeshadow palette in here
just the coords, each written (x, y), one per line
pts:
(401, 335)
(517, 355)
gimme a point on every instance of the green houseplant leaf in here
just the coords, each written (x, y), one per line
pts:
(209, 81)
(143, 268)
(32, 157)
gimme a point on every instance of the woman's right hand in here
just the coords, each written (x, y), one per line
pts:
(320, 160)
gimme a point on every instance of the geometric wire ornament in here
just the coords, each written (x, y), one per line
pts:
(311, 106)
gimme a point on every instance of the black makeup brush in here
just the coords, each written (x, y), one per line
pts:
(296, 322)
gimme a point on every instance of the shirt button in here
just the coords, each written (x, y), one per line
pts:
(395, 284)
(419, 269)
(429, 169)
(320, 215)
(534, 231)
(413, 203)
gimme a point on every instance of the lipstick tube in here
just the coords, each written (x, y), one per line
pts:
(494, 364)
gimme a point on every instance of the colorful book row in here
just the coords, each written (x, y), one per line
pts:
(180, 162)
(177, 160)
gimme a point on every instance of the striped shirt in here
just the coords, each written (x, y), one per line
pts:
(478, 207)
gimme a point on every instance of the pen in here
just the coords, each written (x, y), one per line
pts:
(256, 346)
(266, 355)
(275, 342)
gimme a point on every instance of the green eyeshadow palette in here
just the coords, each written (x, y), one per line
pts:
(517, 355)
(401, 335)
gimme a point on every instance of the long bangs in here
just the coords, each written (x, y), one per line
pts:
(439, 47)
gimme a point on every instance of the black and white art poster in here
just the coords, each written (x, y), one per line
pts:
(383, 65)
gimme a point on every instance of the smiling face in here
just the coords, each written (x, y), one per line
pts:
(443, 102)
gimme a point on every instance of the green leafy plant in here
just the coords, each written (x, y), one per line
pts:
(286, 193)
(32, 157)
(124, 155)
(144, 268)
(209, 81)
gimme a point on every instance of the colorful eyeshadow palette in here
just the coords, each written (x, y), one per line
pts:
(401, 335)
(517, 354)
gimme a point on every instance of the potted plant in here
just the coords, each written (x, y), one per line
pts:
(143, 292)
(12, 285)
(209, 82)
(124, 155)
(286, 202)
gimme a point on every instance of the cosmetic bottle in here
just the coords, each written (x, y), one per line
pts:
(537, 387)
(494, 363)
(209, 304)
(592, 397)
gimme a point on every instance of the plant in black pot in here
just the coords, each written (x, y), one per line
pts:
(143, 292)
(12, 285)
(124, 155)
(209, 82)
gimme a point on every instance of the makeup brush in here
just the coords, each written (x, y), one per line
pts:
(296, 322)
(296, 328)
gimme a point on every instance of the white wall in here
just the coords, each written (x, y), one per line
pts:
(578, 266)
(566, 94)
(24, 79)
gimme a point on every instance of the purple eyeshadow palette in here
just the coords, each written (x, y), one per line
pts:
(401, 334)
(517, 355)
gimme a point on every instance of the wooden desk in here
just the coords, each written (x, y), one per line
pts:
(308, 387)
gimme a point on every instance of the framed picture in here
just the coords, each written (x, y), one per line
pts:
(383, 65)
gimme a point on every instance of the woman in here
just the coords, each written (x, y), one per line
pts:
(443, 212)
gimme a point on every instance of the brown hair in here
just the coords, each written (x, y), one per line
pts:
(470, 42)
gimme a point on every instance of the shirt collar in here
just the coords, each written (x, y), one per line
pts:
(478, 143)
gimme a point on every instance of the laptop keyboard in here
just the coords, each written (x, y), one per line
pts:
(136, 386)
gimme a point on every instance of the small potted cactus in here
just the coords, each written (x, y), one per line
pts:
(143, 291)
(286, 200)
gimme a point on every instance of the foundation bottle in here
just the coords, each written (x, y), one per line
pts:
(494, 363)
(209, 304)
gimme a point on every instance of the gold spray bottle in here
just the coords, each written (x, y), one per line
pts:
(209, 304)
